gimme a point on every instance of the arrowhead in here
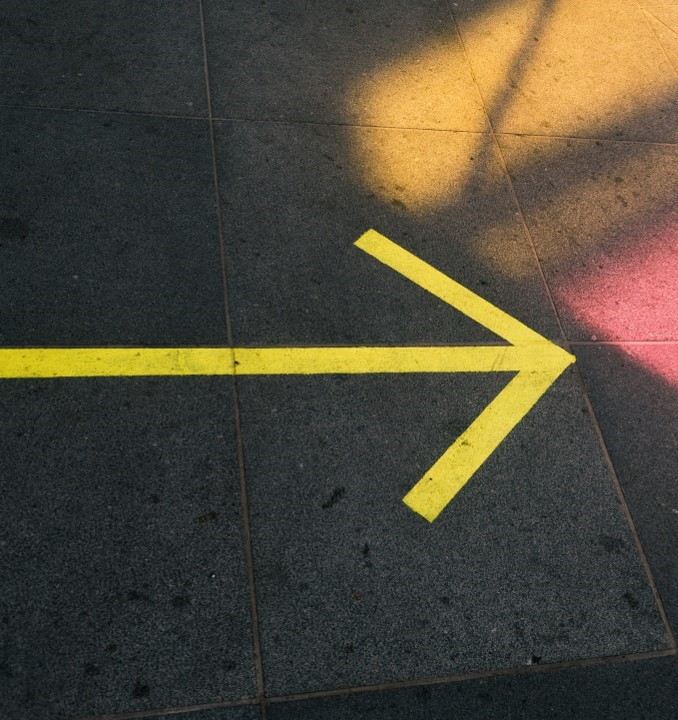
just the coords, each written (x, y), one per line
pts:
(543, 364)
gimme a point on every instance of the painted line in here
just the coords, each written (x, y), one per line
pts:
(536, 360)
(121, 362)
(458, 464)
(360, 360)
(114, 362)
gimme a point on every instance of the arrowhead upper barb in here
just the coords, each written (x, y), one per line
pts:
(449, 291)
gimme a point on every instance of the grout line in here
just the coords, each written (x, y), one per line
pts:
(244, 497)
(403, 684)
(481, 675)
(368, 126)
(645, 12)
(95, 111)
(660, 21)
(405, 128)
(514, 195)
(575, 343)
(581, 138)
(528, 233)
(261, 700)
(316, 123)
(157, 712)
(427, 343)
(627, 512)
(319, 123)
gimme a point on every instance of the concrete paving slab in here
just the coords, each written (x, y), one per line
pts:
(107, 231)
(604, 221)
(139, 57)
(633, 691)
(634, 392)
(121, 527)
(392, 63)
(295, 199)
(124, 582)
(576, 68)
(531, 563)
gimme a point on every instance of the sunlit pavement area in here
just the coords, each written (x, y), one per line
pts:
(231, 546)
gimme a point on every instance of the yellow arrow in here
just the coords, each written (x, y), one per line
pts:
(537, 362)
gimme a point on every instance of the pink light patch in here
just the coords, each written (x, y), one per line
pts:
(660, 359)
(634, 297)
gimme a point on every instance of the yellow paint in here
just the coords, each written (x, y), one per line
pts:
(365, 360)
(114, 362)
(449, 291)
(543, 364)
(537, 362)
(129, 362)
(453, 470)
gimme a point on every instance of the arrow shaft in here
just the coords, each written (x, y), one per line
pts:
(114, 362)
(117, 362)
(360, 360)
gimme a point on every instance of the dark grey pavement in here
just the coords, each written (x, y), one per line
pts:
(195, 174)
(124, 579)
(109, 231)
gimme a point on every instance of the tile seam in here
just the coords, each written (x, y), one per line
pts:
(645, 12)
(174, 710)
(588, 343)
(507, 174)
(458, 131)
(403, 684)
(582, 138)
(318, 123)
(627, 513)
(480, 675)
(244, 493)
(104, 111)
(454, 131)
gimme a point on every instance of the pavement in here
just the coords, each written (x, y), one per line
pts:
(232, 543)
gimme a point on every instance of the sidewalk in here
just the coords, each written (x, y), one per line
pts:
(231, 534)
